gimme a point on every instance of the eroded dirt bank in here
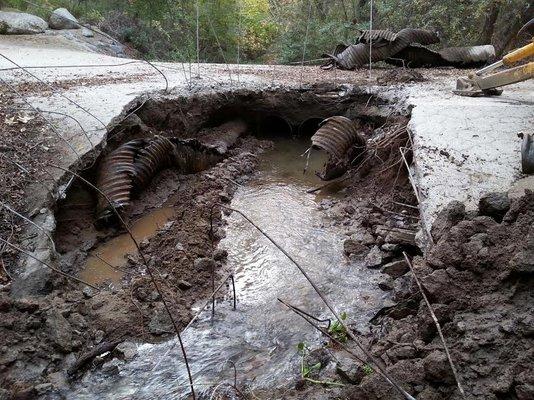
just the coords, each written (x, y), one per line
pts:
(47, 331)
(478, 278)
(478, 275)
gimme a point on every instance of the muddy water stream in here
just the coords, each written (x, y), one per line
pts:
(105, 262)
(260, 337)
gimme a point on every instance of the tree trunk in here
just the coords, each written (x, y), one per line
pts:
(508, 25)
(489, 22)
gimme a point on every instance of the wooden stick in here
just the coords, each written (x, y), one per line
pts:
(436, 322)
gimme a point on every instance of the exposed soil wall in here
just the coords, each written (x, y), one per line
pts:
(46, 333)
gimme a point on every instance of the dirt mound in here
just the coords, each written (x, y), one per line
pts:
(479, 279)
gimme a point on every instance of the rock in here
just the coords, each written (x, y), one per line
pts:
(159, 323)
(391, 248)
(61, 18)
(8, 355)
(5, 304)
(27, 305)
(220, 254)
(523, 262)
(127, 350)
(437, 367)
(350, 372)
(524, 392)
(59, 330)
(363, 236)
(374, 258)
(449, 216)
(112, 367)
(179, 247)
(494, 205)
(395, 269)
(99, 335)
(16, 23)
(351, 246)
(87, 292)
(43, 388)
(386, 282)
(204, 263)
(184, 285)
(404, 237)
(87, 32)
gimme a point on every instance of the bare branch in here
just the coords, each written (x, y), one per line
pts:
(436, 322)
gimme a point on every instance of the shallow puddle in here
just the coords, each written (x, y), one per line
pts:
(261, 336)
(105, 263)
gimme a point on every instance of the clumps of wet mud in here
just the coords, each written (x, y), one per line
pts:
(479, 278)
(400, 75)
(43, 339)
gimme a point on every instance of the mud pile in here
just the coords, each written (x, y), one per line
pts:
(479, 278)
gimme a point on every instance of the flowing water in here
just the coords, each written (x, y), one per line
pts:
(261, 336)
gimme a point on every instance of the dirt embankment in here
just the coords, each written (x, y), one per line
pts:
(44, 335)
(478, 278)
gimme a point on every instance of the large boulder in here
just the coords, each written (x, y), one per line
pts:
(61, 18)
(17, 23)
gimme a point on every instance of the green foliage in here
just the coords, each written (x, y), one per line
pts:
(277, 30)
(337, 330)
(307, 370)
(367, 370)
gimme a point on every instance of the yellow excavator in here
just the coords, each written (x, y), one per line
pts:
(485, 83)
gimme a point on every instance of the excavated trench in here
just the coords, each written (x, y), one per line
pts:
(259, 173)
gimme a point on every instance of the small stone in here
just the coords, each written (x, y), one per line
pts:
(349, 372)
(390, 247)
(494, 205)
(144, 244)
(112, 367)
(204, 263)
(27, 305)
(99, 335)
(395, 269)
(220, 254)
(5, 304)
(43, 388)
(179, 247)
(168, 225)
(437, 367)
(127, 350)
(184, 285)
(225, 197)
(351, 246)
(87, 292)
(374, 258)
(59, 330)
(386, 283)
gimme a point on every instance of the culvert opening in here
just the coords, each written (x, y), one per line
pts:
(261, 175)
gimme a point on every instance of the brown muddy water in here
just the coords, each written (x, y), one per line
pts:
(105, 263)
(261, 336)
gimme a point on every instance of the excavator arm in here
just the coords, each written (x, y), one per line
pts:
(486, 83)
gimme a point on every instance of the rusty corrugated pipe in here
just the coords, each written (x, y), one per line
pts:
(420, 56)
(339, 137)
(133, 164)
(387, 46)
